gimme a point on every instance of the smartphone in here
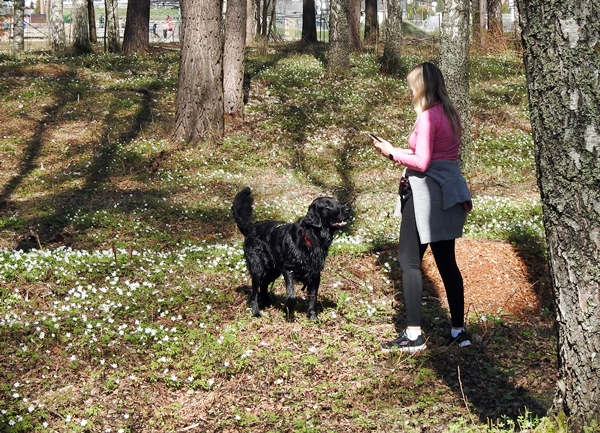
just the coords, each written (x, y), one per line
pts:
(374, 137)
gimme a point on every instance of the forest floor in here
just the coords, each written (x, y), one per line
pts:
(105, 220)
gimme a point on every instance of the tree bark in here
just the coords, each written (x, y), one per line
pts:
(112, 35)
(80, 26)
(199, 104)
(264, 21)
(562, 61)
(339, 47)
(392, 59)
(250, 19)
(371, 22)
(272, 24)
(454, 64)
(309, 21)
(18, 44)
(57, 27)
(233, 58)
(354, 25)
(137, 27)
(517, 29)
(476, 30)
(494, 11)
(92, 21)
(483, 11)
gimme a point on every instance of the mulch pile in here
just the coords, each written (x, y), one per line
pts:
(498, 279)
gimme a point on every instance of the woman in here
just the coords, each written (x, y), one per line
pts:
(434, 199)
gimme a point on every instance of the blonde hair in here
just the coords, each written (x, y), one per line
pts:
(428, 86)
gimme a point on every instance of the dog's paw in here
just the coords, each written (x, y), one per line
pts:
(290, 317)
(312, 315)
(255, 309)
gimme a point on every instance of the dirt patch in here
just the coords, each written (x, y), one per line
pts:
(498, 279)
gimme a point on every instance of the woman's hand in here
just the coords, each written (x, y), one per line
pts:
(384, 147)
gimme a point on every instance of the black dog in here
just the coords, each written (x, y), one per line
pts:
(298, 250)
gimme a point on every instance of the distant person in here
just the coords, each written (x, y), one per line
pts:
(154, 28)
(434, 201)
(165, 30)
(169, 22)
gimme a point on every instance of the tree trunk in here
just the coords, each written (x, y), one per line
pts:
(483, 10)
(517, 28)
(57, 26)
(233, 58)
(476, 29)
(92, 21)
(112, 36)
(18, 44)
(272, 22)
(562, 63)
(250, 19)
(309, 21)
(264, 22)
(494, 11)
(199, 103)
(80, 26)
(371, 22)
(137, 27)
(392, 60)
(339, 47)
(454, 64)
(354, 25)
(261, 36)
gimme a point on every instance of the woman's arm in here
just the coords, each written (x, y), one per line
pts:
(421, 139)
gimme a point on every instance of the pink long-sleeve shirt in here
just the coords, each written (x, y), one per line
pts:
(431, 139)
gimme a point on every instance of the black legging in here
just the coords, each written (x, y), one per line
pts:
(410, 256)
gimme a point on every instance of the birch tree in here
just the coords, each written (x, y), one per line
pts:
(57, 26)
(112, 35)
(561, 54)
(18, 44)
(494, 16)
(454, 64)
(80, 27)
(478, 15)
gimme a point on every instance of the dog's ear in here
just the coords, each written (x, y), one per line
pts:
(312, 216)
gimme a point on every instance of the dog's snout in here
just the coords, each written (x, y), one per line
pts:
(346, 210)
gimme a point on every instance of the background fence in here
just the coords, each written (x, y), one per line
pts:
(36, 30)
(289, 28)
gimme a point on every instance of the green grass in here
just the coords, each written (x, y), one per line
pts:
(132, 315)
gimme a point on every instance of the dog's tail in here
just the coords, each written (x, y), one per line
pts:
(242, 209)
